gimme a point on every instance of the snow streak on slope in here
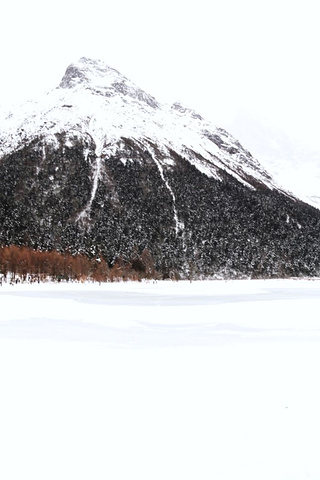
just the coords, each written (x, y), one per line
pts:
(96, 175)
(178, 223)
(122, 110)
(98, 138)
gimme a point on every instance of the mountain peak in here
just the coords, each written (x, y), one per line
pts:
(87, 71)
(100, 79)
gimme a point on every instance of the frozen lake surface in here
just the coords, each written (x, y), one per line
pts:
(168, 380)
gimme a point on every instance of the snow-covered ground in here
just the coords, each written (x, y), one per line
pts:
(160, 381)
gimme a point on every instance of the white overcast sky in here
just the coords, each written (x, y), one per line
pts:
(213, 56)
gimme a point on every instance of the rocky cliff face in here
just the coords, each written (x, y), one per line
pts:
(100, 167)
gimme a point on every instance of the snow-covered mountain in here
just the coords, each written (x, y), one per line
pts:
(97, 101)
(292, 162)
(101, 167)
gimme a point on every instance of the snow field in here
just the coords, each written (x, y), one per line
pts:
(160, 381)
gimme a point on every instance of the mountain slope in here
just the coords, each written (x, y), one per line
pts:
(100, 167)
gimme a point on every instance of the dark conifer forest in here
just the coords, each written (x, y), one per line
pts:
(199, 228)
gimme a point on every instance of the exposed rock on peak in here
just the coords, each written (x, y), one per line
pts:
(101, 79)
(86, 72)
(184, 110)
